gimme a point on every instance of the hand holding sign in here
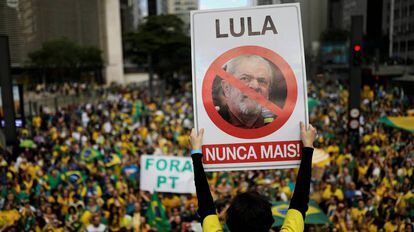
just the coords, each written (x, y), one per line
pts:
(250, 90)
(196, 139)
(307, 135)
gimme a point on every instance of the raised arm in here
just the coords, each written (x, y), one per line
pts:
(206, 205)
(296, 215)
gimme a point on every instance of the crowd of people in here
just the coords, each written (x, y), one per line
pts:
(78, 169)
(367, 187)
(39, 91)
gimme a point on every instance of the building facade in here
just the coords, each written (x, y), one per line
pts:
(182, 8)
(30, 23)
(314, 18)
(351, 8)
(398, 24)
(133, 13)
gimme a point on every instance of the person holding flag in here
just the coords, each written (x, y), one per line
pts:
(156, 214)
(251, 211)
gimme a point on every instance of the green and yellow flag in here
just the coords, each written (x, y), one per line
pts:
(156, 215)
(314, 215)
(403, 123)
(74, 177)
(90, 154)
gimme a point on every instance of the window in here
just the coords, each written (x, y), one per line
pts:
(396, 14)
(410, 45)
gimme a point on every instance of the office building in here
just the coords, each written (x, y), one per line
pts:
(314, 18)
(398, 24)
(30, 23)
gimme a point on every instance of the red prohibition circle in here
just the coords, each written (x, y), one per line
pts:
(283, 115)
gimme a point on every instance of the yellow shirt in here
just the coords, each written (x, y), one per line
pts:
(358, 214)
(333, 149)
(287, 191)
(339, 194)
(37, 121)
(327, 193)
(389, 227)
(170, 203)
(183, 140)
(362, 170)
(293, 222)
(372, 228)
(8, 217)
(86, 217)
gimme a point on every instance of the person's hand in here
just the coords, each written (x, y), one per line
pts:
(307, 135)
(196, 140)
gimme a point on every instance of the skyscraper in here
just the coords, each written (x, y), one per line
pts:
(133, 13)
(351, 8)
(182, 9)
(398, 23)
(314, 17)
(30, 23)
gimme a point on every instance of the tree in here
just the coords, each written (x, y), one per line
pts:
(162, 45)
(65, 59)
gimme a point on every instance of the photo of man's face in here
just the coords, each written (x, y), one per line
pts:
(233, 105)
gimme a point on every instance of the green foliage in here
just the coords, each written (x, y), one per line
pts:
(65, 58)
(163, 39)
(90, 58)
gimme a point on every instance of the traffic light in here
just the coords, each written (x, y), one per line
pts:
(356, 48)
(357, 55)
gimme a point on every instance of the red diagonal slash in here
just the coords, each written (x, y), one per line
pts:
(248, 91)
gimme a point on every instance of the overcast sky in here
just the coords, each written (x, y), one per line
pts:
(214, 4)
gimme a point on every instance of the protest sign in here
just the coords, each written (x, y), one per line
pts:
(249, 86)
(167, 174)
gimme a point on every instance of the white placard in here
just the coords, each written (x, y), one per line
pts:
(167, 174)
(249, 86)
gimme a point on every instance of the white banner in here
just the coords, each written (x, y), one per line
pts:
(249, 86)
(167, 174)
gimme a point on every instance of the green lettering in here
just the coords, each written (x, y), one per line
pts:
(187, 166)
(173, 178)
(148, 163)
(164, 165)
(161, 180)
(174, 164)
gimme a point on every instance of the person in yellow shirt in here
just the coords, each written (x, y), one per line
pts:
(37, 121)
(251, 211)
(8, 216)
(115, 200)
(65, 200)
(171, 201)
(332, 190)
(359, 212)
(390, 226)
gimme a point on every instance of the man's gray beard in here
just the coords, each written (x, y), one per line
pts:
(246, 111)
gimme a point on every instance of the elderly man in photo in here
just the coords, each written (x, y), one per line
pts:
(237, 108)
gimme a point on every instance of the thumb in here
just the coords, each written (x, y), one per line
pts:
(302, 126)
(201, 133)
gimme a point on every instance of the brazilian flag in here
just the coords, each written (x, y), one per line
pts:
(90, 154)
(112, 160)
(314, 215)
(156, 215)
(403, 123)
(73, 177)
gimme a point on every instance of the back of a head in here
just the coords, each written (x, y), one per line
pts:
(251, 212)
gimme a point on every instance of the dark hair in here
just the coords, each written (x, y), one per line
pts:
(249, 211)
